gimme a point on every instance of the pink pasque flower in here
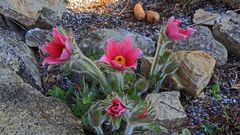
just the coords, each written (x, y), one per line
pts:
(121, 55)
(59, 49)
(173, 32)
(117, 108)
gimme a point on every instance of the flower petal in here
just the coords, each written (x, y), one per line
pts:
(126, 44)
(51, 49)
(51, 60)
(132, 56)
(113, 49)
(68, 45)
(65, 55)
(105, 59)
(118, 66)
(58, 37)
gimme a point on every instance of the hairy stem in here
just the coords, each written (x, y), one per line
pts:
(129, 129)
(160, 48)
(99, 130)
(88, 65)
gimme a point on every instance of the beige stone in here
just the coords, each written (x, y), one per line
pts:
(195, 70)
(169, 111)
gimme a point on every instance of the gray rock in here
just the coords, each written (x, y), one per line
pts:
(227, 31)
(36, 37)
(97, 40)
(202, 40)
(25, 111)
(204, 17)
(170, 113)
(20, 59)
(27, 12)
(8, 29)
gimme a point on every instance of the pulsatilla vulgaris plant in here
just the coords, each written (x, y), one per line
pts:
(121, 102)
(163, 62)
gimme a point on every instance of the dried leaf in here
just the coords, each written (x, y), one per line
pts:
(139, 11)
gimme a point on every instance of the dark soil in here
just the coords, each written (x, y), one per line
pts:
(203, 111)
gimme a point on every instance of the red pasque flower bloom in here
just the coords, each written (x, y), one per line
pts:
(121, 55)
(59, 49)
(117, 108)
(173, 32)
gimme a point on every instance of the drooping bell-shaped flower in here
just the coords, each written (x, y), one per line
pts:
(174, 32)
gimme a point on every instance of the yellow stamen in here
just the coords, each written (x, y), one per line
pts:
(120, 59)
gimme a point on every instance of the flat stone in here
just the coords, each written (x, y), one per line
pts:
(95, 42)
(204, 17)
(202, 40)
(169, 111)
(227, 31)
(25, 111)
(37, 37)
(195, 71)
(20, 59)
(27, 12)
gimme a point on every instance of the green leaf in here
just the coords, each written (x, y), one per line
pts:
(129, 77)
(57, 92)
(186, 132)
(215, 89)
(171, 68)
(86, 100)
(154, 127)
(218, 97)
(208, 128)
(165, 58)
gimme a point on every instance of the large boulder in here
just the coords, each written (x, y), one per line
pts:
(8, 29)
(20, 59)
(195, 71)
(24, 110)
(202, 40)
(169, 111)
(28, 12)
(96, 41)
(227, 31)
